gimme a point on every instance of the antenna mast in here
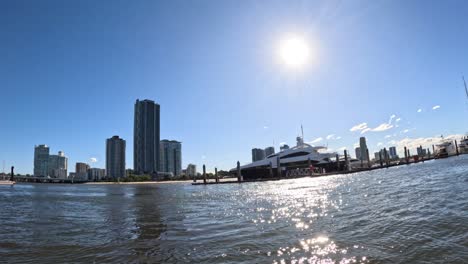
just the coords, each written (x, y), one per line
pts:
(466, 89)
(302, 130)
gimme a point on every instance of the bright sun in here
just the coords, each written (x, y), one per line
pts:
(294, 52)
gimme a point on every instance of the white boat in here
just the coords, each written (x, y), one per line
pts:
(6, 182)
(444, 149)
(290, 160)
(463, 146)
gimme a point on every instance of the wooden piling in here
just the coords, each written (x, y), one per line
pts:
(456, 147)
(204, 174)
(238, 172)
(216, 175)
(368, 158)
(12, 177)
(406, 155)
(345, 160)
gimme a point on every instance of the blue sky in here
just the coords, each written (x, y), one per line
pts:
(70, 72)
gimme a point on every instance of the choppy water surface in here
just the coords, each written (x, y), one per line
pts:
(408, 214)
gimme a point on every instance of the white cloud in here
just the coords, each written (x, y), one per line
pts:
(365, 130)
(316, 140)
(382, 127)
(338, 138)
(413, 143)
(361, 126)
(435, 107)
(391, 118)
(388, 136)
(398, 119)
(93, 160)
(331, 136)
(265, 127)
(405, 131)
(419, 110)
(379, 144)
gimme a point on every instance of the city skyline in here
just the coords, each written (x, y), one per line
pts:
(391, 88)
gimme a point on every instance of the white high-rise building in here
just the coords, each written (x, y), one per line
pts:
(58, 165)
(170, 155)
(191, 170)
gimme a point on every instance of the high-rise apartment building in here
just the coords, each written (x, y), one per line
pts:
(58, 165)
(358, 153)
(393, 153)
(269, 151)
(146, 137)
(170, 157)
(115, 157)
(258, 154)
(191, 170)
(363, 148)
(41, 160)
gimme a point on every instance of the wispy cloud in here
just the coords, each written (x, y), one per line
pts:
(379, 144)
(419, 110)
(331, 136)
(435, 107)
(405, 131)
(398, 119)
(388, 136)
(265, 127)
(365, 130)
(358, 127)
(92, 160)
(391, 118)
(316, 140)
(338, 138)
(382, 127)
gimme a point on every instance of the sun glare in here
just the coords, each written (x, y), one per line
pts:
(294, 52)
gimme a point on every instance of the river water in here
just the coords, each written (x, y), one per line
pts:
(407, 214)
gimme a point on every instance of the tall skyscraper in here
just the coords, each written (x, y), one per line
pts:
(363, 147)
(269, 151)
(146, 137)
(170, 157)
(393, 153)
(41, 160)
(58, 165)
(257, 154)
(115, 157)
(358, 153)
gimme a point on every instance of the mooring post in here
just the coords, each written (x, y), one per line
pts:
(216, 175)
(456, 147)
(204, 174)
(12, 177)
(346, 160)
(278, 166)
(406, 155)
(433, 150)
(238, 172)
(386, 157)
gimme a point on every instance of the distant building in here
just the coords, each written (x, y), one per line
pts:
(41, 160)
(81, 167)
(146, 137)
(393, 153)
(284, 147)
(363, 148)
(421, 151)
(269, 151)
(258, 154)
(170, 157)
(191, 170)
(58, 165)
(358, 153)
(96, 174)
(115, 157)
(377, 155)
